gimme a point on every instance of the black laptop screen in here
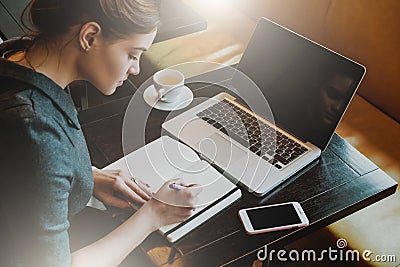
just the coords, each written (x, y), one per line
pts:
(307, 86)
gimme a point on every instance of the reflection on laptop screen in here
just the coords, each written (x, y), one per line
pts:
(307, 86)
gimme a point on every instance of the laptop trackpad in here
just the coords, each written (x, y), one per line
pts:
(221, 151)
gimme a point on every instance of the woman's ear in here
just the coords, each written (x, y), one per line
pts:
(89, 34)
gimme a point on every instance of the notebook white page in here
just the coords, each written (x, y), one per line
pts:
(165, 159)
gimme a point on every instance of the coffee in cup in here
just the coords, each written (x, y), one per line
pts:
(168, 84)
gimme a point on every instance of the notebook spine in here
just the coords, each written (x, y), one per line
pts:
(170, 234)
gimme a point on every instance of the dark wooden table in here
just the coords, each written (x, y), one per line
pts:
(341, 182)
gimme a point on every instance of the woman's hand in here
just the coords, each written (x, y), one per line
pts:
(116, 188)
(170, 206)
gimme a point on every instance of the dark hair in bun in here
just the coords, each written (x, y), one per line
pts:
(118, 18)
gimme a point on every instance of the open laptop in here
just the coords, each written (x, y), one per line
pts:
(306, 89)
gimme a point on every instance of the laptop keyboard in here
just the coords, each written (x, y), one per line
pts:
(259, 137)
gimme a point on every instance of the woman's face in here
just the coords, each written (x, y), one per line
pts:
(108, 64)
(331, 98)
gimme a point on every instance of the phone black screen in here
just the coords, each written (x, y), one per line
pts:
(273, 216)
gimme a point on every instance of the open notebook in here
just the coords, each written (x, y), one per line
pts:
(165, 159)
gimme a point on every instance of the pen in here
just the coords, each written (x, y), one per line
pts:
(176, 186)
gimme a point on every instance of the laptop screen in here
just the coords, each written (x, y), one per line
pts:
(308, 87)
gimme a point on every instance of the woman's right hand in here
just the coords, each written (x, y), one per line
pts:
(170, 206)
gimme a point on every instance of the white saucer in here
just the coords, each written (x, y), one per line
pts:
(151, 97)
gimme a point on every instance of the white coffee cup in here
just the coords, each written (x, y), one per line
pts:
(169, 84)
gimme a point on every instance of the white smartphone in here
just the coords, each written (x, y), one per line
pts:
(273, 217)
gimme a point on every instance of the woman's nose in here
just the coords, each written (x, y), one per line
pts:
(134, 69)
(336, 105)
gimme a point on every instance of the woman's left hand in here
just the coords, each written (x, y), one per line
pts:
(116, 188)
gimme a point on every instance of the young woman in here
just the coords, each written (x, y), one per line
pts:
(46, 177)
